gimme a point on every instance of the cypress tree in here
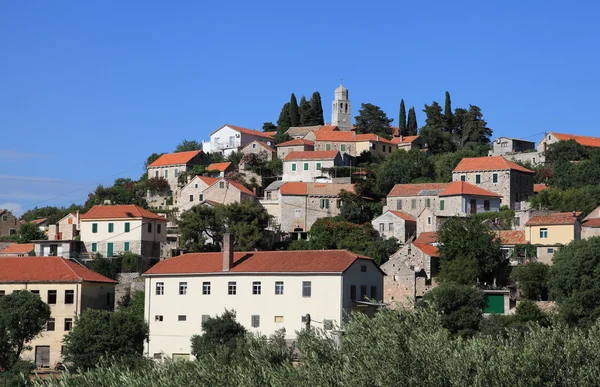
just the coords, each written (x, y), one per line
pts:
(294, 112)
(315, 103)
(448, 114)
(402, 120)
(305, 111)
(412, 122)
(283, 123)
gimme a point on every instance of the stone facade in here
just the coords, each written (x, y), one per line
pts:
(227, 192)
(192, 193)
(514, 186)
(285, 150)
(392, 224)
(9, 224)
(341, 109)
(506, 145)
(309, 168)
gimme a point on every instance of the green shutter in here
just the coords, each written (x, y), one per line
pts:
(328, 147)
(293, 167)
(111, 227)
(428, 203)
(413, 203)
(94, 247)
(463, 178)
(94, 227)
(441, 205)
(495, 303)
(343, 147)
(306, 166)
(126, 246)
(109, 250)
(495, 178)
(127, 226)
(318, 166)
(477, 179)
(399, 204)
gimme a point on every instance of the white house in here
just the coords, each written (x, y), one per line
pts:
(268, 290)
(230, 138)
(109, 230)
(307, 166)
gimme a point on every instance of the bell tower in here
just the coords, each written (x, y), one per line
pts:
(340, 110)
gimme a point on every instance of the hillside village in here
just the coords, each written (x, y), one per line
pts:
(306, 221)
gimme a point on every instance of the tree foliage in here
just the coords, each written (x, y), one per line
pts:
(411, 123)
(187, 146)
(294, 112)
(29, 232)
(105, 266)
(532, 279)
(51, 213)
(371, 119)
(221, 334)
(403, 168)
(133, 303)
(583, 199)
(284, 122)
(402, 120)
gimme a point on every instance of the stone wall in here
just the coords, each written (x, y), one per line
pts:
(9, 224)
(514, 186)
(589, 232)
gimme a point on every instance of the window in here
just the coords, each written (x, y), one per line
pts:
(328, 147)
(205, 318)
(149, 227)
(206, 288)
(427, 203)
(517, 221)
(127, 226)
(324, 203)
(182, 317)
(353, 292)
(429, 220)
(306, 166)
(413, 203)
(293, 167)
(328, 325)
(111, 227)
(191, 198)
(363, 292)
(166, 173)
(157, 356)
(51, 297)
(477, 179)
(255, 321)
(156, 174)
(399, 204)
(256, 287)
(36, 292)
(51, 324)
(278, 319)
(374, 292)
(550, 251)
(343, 147)
(125, 246)
(109, 301)
(253, 146)
(158, 317)
(158, 228)
(318, 166)
(176, 172)
(381, 227)
(306, 288)
(363, 268)
(279, 288)
(543, 233)
(222, 185)
(69, 296)
(297, 212)
(68, 324)
(494, 178)
(442, 205)
(463, 178)
(182, 288)
(2, 293)
(200, 197)
(160, 288)
(94, 247)
(94, 227)
(109, 249)
(232, 288)
(391, 227)
(486, 205)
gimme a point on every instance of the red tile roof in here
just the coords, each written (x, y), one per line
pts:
(326, 189)
(240, 186)
(414, 189)
(593, 222)
(123, 211)
(430, 250)
(403, 215)
(38, 221)
(263, 144)
(221, 167)
(551, 219)
(511, 237)
(347, 136)
(299, 261)
(47, 269)
(539, 187)
(311, 155)
(426, 238)
(404, 139)
(464, 188)
(174, 158)
(18, 248)
(208, 180)
(247, 131)
(489, 163)
(296, 142)
(592, 142)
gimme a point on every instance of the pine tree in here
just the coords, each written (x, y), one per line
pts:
(402, 120)
(284, 123)
(411, 126)
(449, 127)
(315, 103)
(294, 112)
(371, 119)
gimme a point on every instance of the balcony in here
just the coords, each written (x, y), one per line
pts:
(225, 145)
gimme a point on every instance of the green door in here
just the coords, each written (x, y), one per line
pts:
(495, 303)
(109, 249)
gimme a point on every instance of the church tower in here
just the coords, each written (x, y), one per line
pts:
(341, 113)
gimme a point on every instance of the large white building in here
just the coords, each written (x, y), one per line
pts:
(268, 290)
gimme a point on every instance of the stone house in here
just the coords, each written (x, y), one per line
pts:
(9, 224)
(590, 227)
(220, 169)
(352, 144)
(499, 175)
(507, 145)
(550, 232)
(62, 239)
(260, 150)
(42, 224)
(307, 166)
(407, 143)
(225, 191)
(192, 193)
(295, 145)
(509, 239)
(395, 224)
(112, 229)
(18, 250)
(231, 138)
(67, 287)
(553, 137)
(414, 198)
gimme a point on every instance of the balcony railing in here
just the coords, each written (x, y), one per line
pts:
(225, 145)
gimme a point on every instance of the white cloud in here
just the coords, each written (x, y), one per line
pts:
(15, 208)
(13, 155)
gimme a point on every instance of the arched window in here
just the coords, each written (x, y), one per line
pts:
(346, 108)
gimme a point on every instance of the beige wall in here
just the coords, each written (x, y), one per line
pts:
(226, 193)
(589, 232)
(141, 239)
(300, 211)
(195, 189)
(557, 234)
(309, 175)
(401, 229)
(514, 186)
(286, 150)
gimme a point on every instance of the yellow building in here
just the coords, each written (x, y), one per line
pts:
(67, 287)
(549, 232)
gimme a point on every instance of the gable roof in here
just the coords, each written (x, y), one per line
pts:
(302, 131)
(47, 269)
(488, 163)
(424, 189)
(175, 158)
(290, 261)
(511, 237)
(592, 142)
(402, 215)
(427, 238)
(122, 211)
(591, 222)
(325, 189)
(311, 155)
(348, 136)
(296, 142)
(39, 221)
(430, 250)
(207, 180)
(221, 167)
(555, 218)
(250, 132)
(539, 187)
(18, 248)
(404, 139)
(464, 188)
(240, 186)
(261, 143)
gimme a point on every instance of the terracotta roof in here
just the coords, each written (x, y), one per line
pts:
(426, 238)
(18, 248)
(247, 131)
(556, 218)
(489, 163)
(261, 143)
(296, 142)
(38, 221)
(348, 136)
(175, 158)
(593, 142)
(539, 187)
(221, 167)
(511, 237)
(47, 269)
(311, 155)
(403, 215)
(325, 189)
(415, 189)
(299, 261)
(593, 222)
(208, 180)
(404, 139)
(464, 188)
(430, 250)
(240, 186)
(123, 211)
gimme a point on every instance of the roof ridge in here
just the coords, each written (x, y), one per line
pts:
(63, 261)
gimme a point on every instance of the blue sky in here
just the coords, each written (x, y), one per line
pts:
(89, 89)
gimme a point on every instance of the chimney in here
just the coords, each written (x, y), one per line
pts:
(227, 251)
